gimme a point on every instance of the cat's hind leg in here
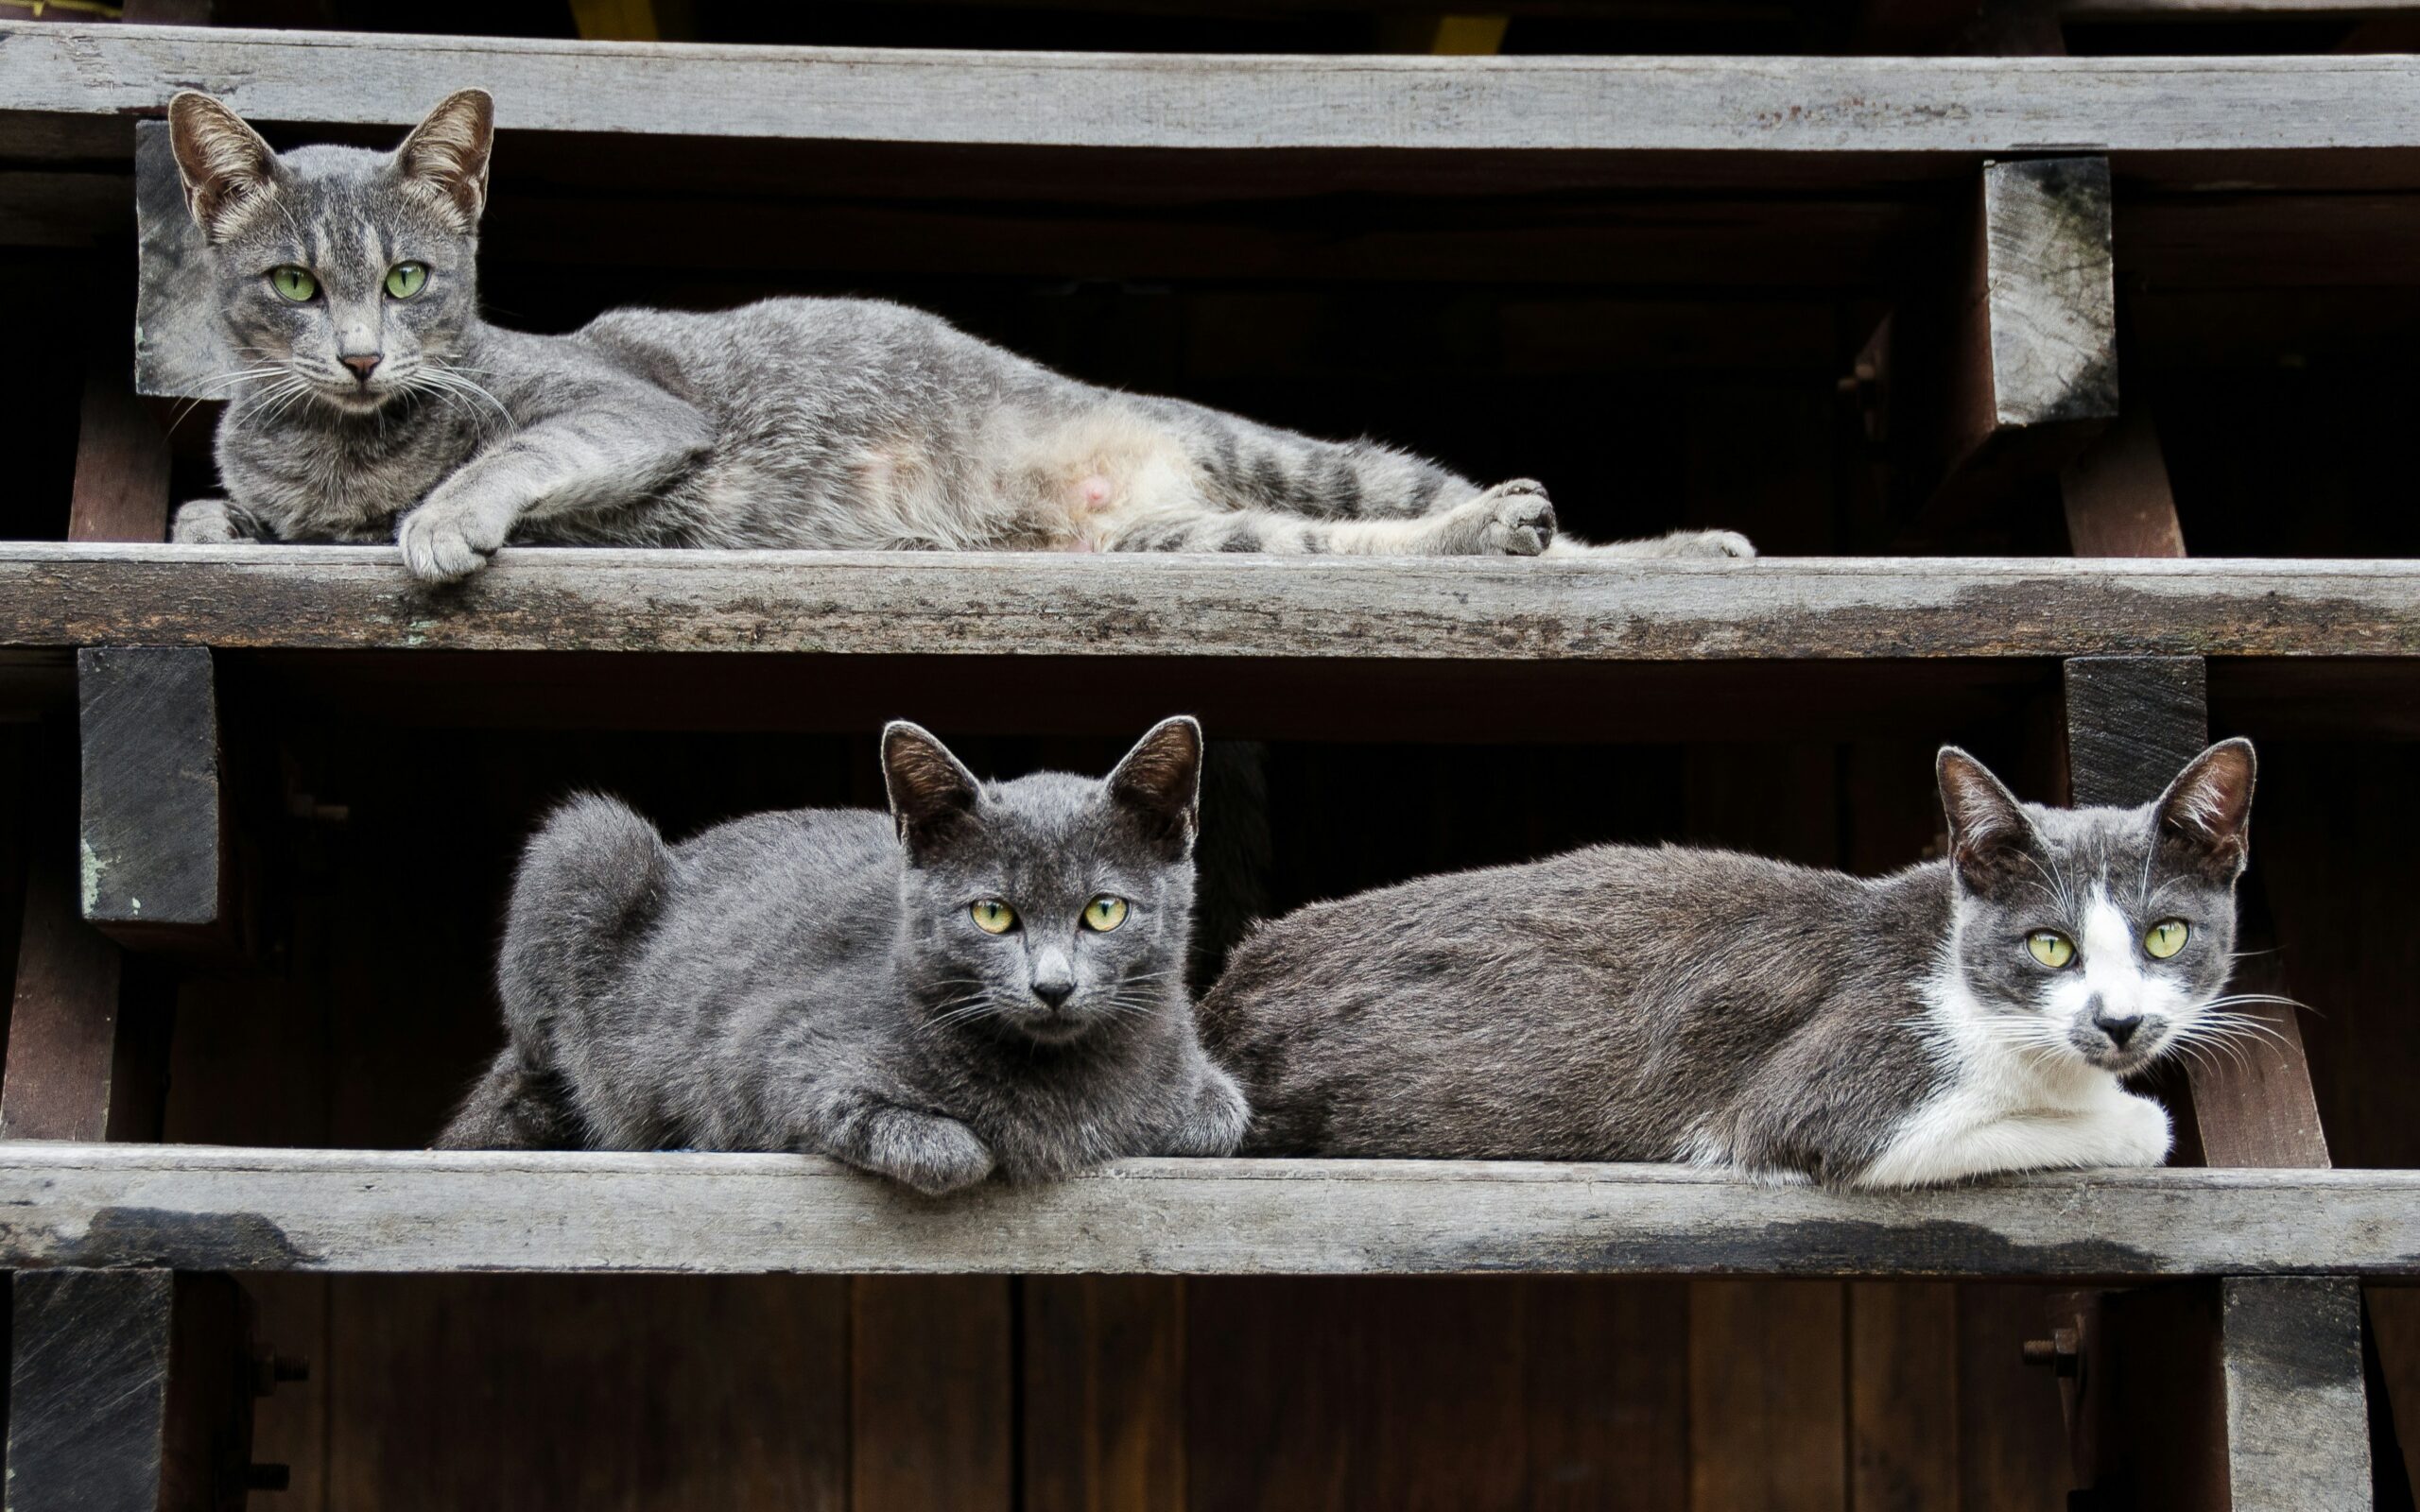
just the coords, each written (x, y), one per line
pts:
(1511, 519)
(513, 1107)
(1714, 543)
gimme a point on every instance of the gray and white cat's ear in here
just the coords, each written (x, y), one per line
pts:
(228, 172)
(447, 155)
(1159, 785)
(1988, 829)
(2209, 807)
(931, 791)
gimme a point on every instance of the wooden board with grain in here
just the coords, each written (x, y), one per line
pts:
(997, 604)
(239, 1210)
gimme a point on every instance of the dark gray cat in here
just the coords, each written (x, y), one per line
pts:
(1617, 1004)
(371, 403)
(990, 978)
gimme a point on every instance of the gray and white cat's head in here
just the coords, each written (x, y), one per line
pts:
(1052, 906)
(2097, 935)
(345, 278)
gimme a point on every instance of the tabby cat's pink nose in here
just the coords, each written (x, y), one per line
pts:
(362, 366)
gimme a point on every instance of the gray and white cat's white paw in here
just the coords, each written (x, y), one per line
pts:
(2140, 1133)
(932, 1154)
(208, 523)
(444, 544)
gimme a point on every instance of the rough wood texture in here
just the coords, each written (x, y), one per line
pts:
(63, 1020)
(2133, 723)
(2039, 337)
(2116, 494)
(236, 1209)
(152, 840)
(931, 1421)
(88, 1390)
(987, 604)
(1104, 1394)
(2291, 1364)
(1767, 1415)
(1902, 1402)
(1788, 105)
(121, 488)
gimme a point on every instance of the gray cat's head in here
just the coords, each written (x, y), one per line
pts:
(2103, 932)
(345, 278)
(1052, 906)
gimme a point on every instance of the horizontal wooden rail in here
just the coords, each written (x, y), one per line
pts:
(188, 1208)
(1009, 605)
(1951, 109)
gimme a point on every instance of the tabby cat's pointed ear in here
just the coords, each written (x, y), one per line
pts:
(1159, 784)
(931, 792)
(447, 155)
(1988, 830)
(228, 172)
(2209, 808)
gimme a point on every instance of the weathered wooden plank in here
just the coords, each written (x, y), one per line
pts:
(1768, 1419)
(153, 839)
(200, 1208)
(62, 1014)
(2132, 724)
(1103, 1394)
(1904, 1414)
(992, 605)
(2296, 1420)
(121, 487)
(1779, 106)
(2117, 499)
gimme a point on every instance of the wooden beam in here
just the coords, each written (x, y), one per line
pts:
(154, 834)
(2297, 1423)
(1403, 609)
(931, 1422)
(197, 1207)
(129, 1391)
(2116, 494)
(1781, 109)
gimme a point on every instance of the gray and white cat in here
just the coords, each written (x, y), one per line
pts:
(989, 978)
(1961, 1017)
(372, 404)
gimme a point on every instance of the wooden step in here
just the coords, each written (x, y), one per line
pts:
(262, 1210)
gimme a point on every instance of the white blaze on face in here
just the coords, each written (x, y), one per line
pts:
(2111, 966)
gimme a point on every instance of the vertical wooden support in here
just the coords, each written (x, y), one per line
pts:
(931, 1398)
(121, 488)
(2297, 1425)
(129, 1391)
(152, 841)
(1103, 1393)
(2116, 494)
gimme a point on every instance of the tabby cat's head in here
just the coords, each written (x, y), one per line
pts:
(345, 277)
(1052, 906)
(2100, 933)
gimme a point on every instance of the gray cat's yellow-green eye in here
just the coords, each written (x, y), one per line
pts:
(295, 284)
(1104, 913)
(405, 280)
(993, 917)
(2166, 939)
(2051, 948)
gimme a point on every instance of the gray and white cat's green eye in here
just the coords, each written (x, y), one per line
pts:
(2051, 948)
(293, 284)
(2166, 939)
(993, 917)
(1104, 914)
(405, 280)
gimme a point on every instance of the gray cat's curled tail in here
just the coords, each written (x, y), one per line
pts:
(590, 884)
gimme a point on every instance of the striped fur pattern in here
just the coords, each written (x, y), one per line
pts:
(793, 422)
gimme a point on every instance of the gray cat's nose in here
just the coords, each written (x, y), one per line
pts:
(1053, 994)
(362, 366)
(2119, 1030)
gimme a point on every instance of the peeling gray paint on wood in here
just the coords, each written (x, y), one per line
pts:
(97, 1206)
(994, 604)
(2050, 292)
(2297, 1417)
(1971, 106)
(150, 835)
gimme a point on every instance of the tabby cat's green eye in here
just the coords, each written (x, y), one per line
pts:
(993, 917)
(295, 284)
(1104, 913)
(2166, 939)
(405, 280)
(2051, 948)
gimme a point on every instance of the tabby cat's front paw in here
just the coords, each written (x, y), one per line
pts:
(204, 523)
(443, 546)
(1706, 543)
(1517, 519)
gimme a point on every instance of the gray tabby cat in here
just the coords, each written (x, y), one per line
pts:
(1961, 1017)
(990, 978)
(374, 403)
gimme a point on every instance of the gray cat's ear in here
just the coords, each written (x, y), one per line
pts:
(447, 155)
(1159, 784)
(931, 792)
(1988, 830)
(2209, 808)
(228, 172)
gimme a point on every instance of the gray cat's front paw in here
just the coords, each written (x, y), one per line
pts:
(442, 545)
(1706, 543)
(1215, 1124)
(204, 523)
(933, 1154)
(1519, 520)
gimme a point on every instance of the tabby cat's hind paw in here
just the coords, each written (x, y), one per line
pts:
(1704, 543)
(206, 522)
(1515, 519)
